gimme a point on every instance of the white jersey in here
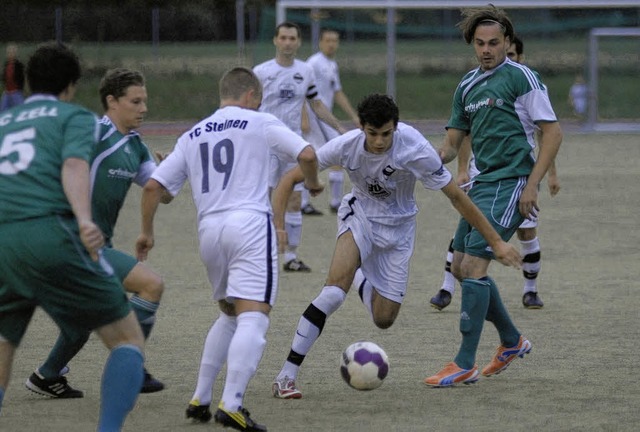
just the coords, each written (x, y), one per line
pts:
(225, 157)
(384, 183)
(327, 83)
(285, 90)
(327, 77)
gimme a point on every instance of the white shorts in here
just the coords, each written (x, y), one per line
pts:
(529, 223)
(239, 250)
(385, 251)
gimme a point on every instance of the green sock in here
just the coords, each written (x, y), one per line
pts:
(475, 301)
(66, 347)
(145, 312)
(498, 315)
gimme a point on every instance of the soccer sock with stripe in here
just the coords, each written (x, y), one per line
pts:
(531, 264)
(245, 352)
(293, 227)
(310, 326)
(336, 183)
(473, 310)
(365, 290)
(145, 311)
(448, 280)
(214, 355)
(121, 383)
(66, 347)
(498, 315)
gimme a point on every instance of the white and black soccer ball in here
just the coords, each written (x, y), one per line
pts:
(364, 365)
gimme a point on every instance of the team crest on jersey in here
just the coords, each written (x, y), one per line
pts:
(298, 78)
(376, 189)
(287, 91)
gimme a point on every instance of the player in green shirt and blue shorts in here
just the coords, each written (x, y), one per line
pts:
(50, 249)
(499, 104)
(120, 159)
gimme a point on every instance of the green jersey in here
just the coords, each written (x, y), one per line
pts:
(35, 140)
(119, 161)
(500, 108)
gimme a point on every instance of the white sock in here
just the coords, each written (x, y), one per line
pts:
(449, 281)
(293, 226)
(531, 264)
(245, 352)
(310, 326)
(336, 183)
(305, 197)
(214, 355)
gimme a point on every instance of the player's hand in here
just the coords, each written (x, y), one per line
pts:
(554, 184)
(283, 240)
(143, 245)
(507, 254)
(91, 237)
(314, 189)
(528, 204)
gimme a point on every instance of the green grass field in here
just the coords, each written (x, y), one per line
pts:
(182, 78)
(578, 377)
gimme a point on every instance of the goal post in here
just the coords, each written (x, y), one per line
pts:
(594, 122)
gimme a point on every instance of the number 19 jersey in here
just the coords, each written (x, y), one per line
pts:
(225, 157)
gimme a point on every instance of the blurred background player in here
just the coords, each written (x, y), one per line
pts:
(527, 233)
(121, 158)
(500, 104)
(235, 229)
(50, 249)
(376, 223)
(578, 96)
(287, 82)
(317, 132)
(12, 79)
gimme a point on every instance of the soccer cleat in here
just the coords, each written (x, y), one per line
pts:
(530, 300)
(453, 374)
(296, 265)
(197, 412)
(504, 356)
(52, 387)
(285, 388)
(310, 210)
(239, 420)
(441, 300)
(150, 384)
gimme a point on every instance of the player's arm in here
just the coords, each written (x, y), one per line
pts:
(76, 186)
(551, 137)
(305, 127)
(506, 253)
(452, 143)
(343, 102)
(464, 157)
(325, 115)
(151, 196)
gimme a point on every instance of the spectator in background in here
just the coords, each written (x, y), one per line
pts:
(578, 97)
(12, 79)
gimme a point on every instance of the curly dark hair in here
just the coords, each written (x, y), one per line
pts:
(116, 82)
(377, 109)
(473, 17)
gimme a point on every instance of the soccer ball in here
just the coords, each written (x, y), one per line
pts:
(364, 365)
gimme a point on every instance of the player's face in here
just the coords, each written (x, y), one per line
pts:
(127, 112)
(287, 42)
(378, 140)
(490, 46)
(329, 43)
(512, 54)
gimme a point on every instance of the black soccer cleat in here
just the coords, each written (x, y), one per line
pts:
(199, 413)
(441, 300)
(57, 387)
(239, 420)
(150, 384)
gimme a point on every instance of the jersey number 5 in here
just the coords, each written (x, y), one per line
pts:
(19, 143)
(222, 162)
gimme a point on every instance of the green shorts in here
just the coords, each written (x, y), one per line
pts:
(121, 262)
(498, 201)
(43, 263)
